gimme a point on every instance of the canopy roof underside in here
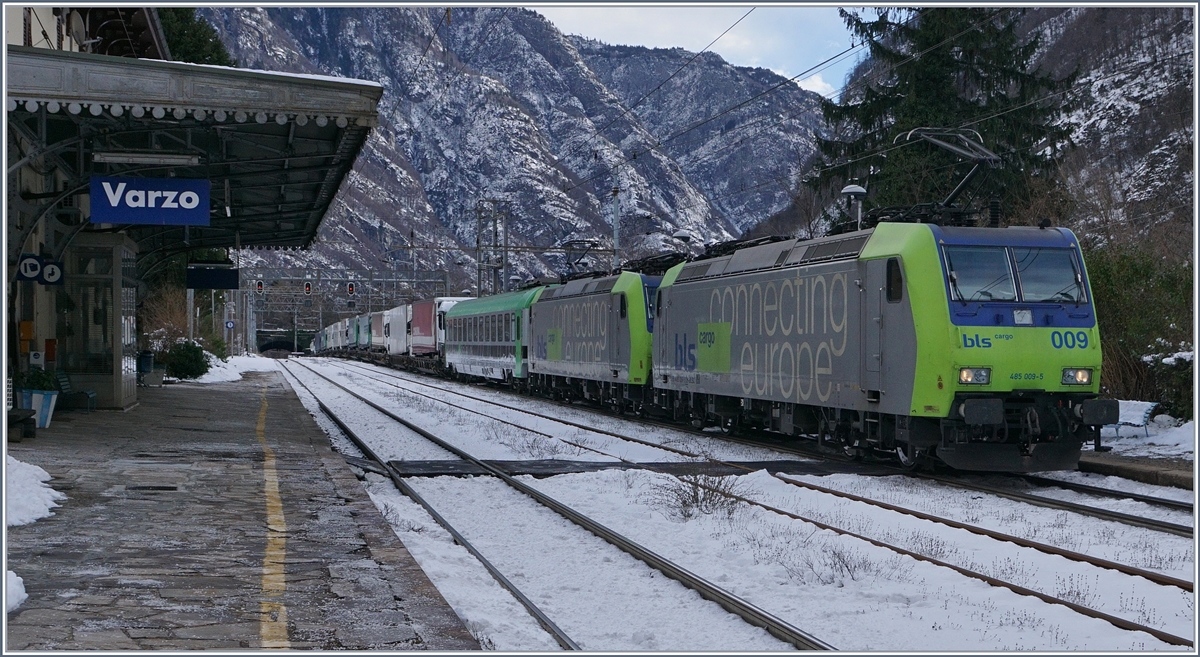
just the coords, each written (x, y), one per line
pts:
(275, 146)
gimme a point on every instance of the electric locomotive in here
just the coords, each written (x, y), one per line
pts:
(975, 346)
(591, 340)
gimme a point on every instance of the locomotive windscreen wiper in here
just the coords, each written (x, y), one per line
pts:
(1068, 296)
(1049, 274)
(954, 286)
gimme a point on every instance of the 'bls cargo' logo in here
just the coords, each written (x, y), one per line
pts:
(976, 341)
(685, 353)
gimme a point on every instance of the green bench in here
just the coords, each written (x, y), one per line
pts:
(86, 398)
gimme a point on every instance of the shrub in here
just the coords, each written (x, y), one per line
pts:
(684, 496)
(186, 360)
(216, 346)
(1144, 307)
(35, 379)
(1172, 377)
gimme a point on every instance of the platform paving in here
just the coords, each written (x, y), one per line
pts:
(166, 539)
(1179, 473)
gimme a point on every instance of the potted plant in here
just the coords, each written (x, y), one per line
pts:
(39, 393)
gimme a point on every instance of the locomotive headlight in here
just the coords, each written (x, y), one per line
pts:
(979, 376)
(1077, 377)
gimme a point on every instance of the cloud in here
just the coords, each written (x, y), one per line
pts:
(818, 84)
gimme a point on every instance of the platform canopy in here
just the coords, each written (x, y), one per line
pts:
(275, 146)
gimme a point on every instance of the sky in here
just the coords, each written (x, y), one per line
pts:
(787, 40)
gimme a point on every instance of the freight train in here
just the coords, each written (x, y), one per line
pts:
(975, 347)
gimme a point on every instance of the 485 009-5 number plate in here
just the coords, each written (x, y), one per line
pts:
(1026, 376)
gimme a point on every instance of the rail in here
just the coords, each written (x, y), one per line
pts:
(735, 605)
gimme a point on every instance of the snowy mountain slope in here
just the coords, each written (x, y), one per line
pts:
(497, 103)
(1130, 176)
(544, 71)
(1134, 112)
(747, 159)
(383, 184)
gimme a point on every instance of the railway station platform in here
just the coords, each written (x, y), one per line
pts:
(1179, 473)
(213, 517)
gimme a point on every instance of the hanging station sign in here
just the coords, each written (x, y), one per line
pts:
(155, 201)
(35, 268)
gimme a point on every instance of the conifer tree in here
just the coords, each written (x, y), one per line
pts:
(191, 39)
(945, 68)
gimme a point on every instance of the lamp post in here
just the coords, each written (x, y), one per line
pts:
(855, 194)
(616, 222)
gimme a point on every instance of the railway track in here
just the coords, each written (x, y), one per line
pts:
(809, 452)
(1151, 576)
(1047, 482)
(735, 605)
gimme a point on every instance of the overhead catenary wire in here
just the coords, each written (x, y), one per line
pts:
(412, 76)
(1073, 88)
(659, 143)
(819, 67)
(596, 132)
(1079, 86)
(462, 64)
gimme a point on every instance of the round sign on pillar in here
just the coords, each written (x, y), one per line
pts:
(51, 273)
(229, 324)
(29, 268)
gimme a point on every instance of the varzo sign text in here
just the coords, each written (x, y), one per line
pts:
(157, 201)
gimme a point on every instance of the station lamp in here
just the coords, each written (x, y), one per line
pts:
(854, 195)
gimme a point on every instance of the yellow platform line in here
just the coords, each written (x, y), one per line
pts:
(273, 613)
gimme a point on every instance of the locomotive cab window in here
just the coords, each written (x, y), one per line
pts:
(624, 309)
(895, 281)
(1048, 274)
(658, 304)
(979, 273)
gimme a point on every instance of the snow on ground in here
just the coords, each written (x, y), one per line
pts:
(231, 370)
(482, 437)
(850, 593)
(529, 447)
(26, 499)
(1165, 607)
(491, 613)
(1160, 439)
(341, 444)
(812, 578)
(601, 597)
(14, 591)
(1113, 483)
(1137, 546)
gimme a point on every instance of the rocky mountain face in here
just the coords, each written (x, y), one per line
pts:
(1130, 176)
(497, 104)
(742, 134)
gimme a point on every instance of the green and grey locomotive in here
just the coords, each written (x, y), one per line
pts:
(976, 346)
(590, 339)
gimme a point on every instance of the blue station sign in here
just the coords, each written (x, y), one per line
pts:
(156, 201)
